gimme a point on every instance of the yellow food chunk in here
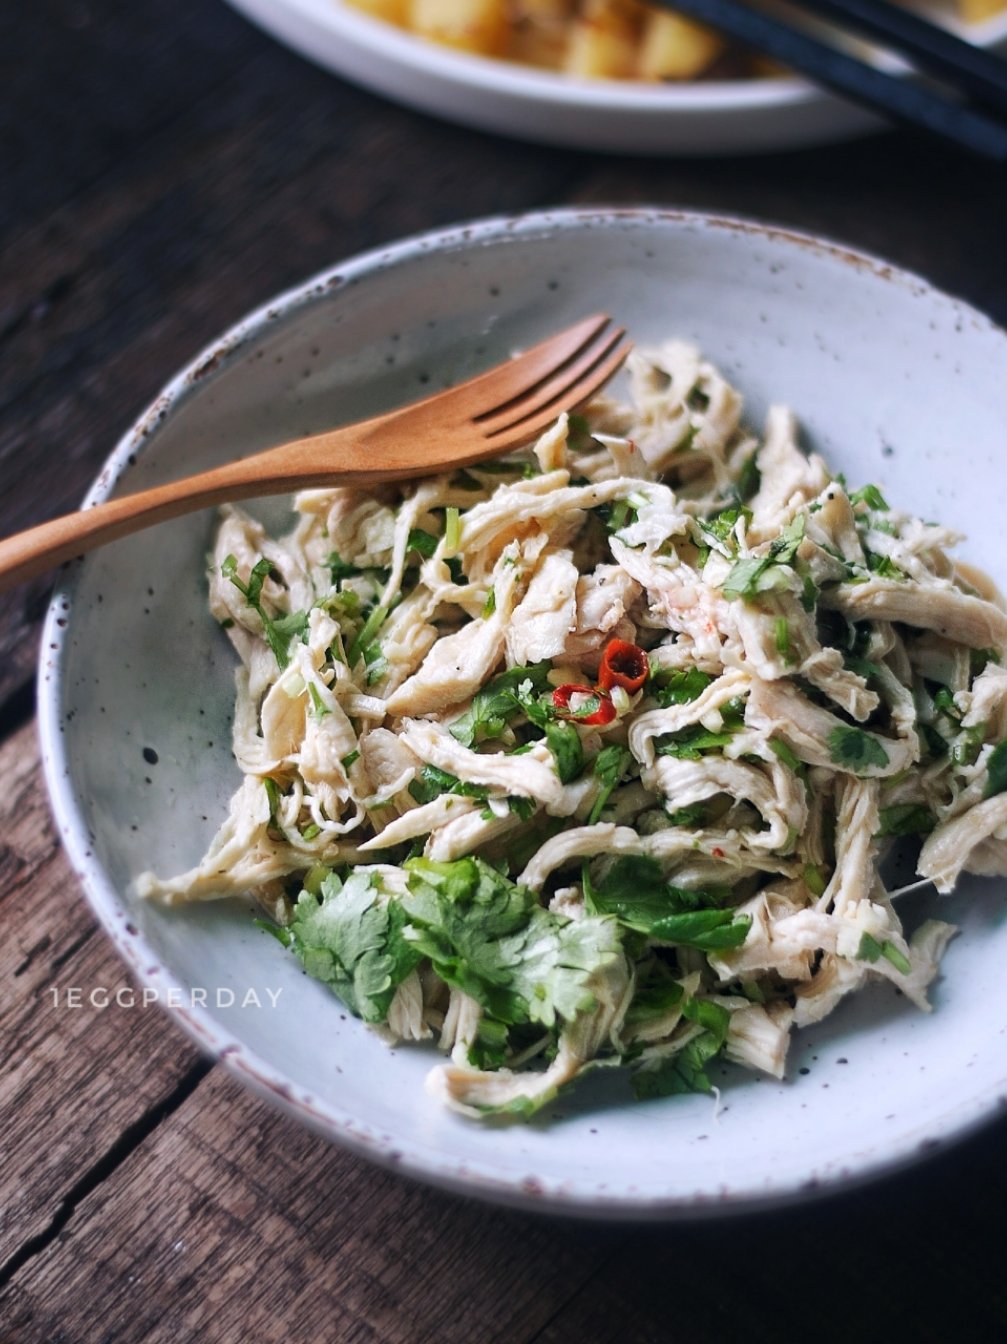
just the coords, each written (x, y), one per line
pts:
(974, 11)
(604, 40)
(540, 32)
(392, 11)
(470, 25)
(674, 47)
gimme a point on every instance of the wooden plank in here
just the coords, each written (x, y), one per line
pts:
(280, 174)
(232, 1222)
(915, 1256)
(72, 1079)
(131, 67)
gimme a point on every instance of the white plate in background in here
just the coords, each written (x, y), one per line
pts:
(624, 116)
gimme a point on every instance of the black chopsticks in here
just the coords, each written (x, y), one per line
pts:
(977, 80)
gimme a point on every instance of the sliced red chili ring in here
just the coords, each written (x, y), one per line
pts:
(623, 664)
(596, 706)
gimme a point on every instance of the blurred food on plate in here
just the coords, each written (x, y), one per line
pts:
(595, 39)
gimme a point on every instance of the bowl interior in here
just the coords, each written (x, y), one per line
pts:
(893, 382)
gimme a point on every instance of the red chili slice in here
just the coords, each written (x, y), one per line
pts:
(597, 703)
(623, 664)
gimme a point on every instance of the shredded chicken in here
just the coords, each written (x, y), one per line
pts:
(463, 811)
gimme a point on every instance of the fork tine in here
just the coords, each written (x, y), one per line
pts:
(507, 381)
(556, 383)
(522, 431)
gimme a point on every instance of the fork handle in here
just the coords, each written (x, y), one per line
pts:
(333, 458)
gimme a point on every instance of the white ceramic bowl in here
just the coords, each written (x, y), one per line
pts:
(896, 383)
(626, 116)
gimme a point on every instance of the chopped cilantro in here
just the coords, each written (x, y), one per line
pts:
(814, 879)
(855, 750)
(280, 631)
(491, 938)
(431, 782)
(452, 530)
(564, 742)
(423, 543)
(944, 703)
(906, 819)
(363, 642)
(635, 892)
(809, 593)
(609, 766)
(348, 937)
(319, 708)
(763, 573)
(689, 817)
(492, 706)
(686, 1070)
(781, 631)
(870, 950)
(885, 568)
(719, 528)
(579, 438)
(996, 771)
(681, 687)
(749, 478)
(657, 993)
(692, 742)
(274, 795)
(786, 755)
(341, 569)
(871, 496)
(967, 745)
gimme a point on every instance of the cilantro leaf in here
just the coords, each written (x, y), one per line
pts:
(635, 892)
(564, 742)
(352, 940)
(691, 743)
(996, 771)
(784, 752)
(871, 496)
(690, 817)
(657, 993)
(856, 750)
(884, 567)
(431, 782)
(280, 631)
(424, 543)
(762, 573)
(492, 706)
(609, 766)
(682, 687)
(907, 819)
(707, 930)
(719, 529)
(491, 938)
(870, 950)
(749, 478)
(686, 1070)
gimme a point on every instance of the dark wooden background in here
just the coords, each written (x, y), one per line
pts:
(163, 168)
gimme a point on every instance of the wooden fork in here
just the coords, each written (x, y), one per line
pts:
(501, 409)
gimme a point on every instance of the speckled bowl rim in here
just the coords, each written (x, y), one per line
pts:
(534, 1190)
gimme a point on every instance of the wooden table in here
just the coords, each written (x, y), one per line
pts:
(166, 168)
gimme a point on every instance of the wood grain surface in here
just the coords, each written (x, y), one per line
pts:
(165, 168)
